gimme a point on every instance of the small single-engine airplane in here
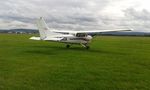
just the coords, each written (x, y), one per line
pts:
(68, 37)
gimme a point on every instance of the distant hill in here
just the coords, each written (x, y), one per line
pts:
(127, 33)
(20, 31)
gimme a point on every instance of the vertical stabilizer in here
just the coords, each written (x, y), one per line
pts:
(43, 28)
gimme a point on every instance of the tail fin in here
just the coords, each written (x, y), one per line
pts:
(43, 28)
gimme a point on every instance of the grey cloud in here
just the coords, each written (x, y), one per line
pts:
(140, 20)
(137, 15)
(71, 14)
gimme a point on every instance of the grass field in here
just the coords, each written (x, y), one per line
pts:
(112, 63)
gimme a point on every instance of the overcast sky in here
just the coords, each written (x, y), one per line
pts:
(76, 14)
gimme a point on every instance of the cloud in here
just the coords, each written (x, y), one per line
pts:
(8, 24)
(140, 20)
(76, 14)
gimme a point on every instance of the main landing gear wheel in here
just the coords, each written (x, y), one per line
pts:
(87, 47)
(67, 46)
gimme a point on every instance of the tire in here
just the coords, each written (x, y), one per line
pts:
(67, 46)
(87, 47)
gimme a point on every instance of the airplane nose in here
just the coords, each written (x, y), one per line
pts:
(89, 37)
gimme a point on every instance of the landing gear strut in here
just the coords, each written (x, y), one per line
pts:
(87, 47)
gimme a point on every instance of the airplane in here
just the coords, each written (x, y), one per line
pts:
(68, 37)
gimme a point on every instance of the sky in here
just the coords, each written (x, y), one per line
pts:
(76, 14)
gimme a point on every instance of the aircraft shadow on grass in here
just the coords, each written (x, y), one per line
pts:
(54, 50)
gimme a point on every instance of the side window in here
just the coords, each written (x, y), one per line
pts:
(64, 39)
(81, 35)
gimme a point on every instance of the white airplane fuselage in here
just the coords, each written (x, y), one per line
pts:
(71, 39)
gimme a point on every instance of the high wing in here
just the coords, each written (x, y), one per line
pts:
(91, 31)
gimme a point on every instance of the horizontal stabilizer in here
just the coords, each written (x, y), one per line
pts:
(35, 38)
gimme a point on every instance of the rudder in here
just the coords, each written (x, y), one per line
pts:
(43, 28)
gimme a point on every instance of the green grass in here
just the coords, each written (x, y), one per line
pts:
(112, 63)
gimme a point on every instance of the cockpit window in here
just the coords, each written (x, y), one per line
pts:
(81, 35)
